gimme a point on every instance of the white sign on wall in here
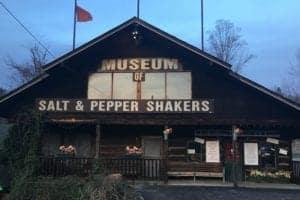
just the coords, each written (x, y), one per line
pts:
(212, 151)
(199, 140)
(251, 153)
(273, 140)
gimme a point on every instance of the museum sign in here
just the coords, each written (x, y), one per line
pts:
(125, 106)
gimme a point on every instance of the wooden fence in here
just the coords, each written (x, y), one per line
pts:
(135, 168)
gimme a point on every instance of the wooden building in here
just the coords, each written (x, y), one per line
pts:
(159, 107)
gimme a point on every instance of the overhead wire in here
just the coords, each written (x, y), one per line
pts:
(26, 29)
(35, 38)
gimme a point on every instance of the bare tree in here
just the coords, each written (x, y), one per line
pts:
(290, 86)
(226, 43)
(24, 72)
(295, 72)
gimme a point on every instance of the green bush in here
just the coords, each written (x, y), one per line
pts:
(71, 188)
(22, 148)
(44, 188)
(267, 176)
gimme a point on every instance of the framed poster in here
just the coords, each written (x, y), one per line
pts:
(212, 151)
(251, 154)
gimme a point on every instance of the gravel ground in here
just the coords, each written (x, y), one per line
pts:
(215, 193)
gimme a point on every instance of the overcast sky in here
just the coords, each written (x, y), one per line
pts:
(271, 28)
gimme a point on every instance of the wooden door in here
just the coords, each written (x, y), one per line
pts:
(152, 148)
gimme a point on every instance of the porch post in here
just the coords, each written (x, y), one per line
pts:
(234, 164)
(98, 139)
(165, 155)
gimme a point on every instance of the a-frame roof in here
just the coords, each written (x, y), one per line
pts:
(227, 67)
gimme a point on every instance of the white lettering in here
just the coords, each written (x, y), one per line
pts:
(205, 106)
(42, 105)
(195, 106)
(109, 105)
(150, 106)
(177, 106)
(186, 106)
(118, 104)
(170, 64)
(145, 64)
(135, 64)
(51, 106)
(159, 106)
(126, 106)
(108, 65)
(134, 106)
(94, 104)
(168, 106)
(101, 105)
(65, 104)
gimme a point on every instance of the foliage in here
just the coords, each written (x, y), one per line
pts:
(22, 145)
(291, 84)
(26, 71)
(22, 150)
(47, 188)
(226, 43)
(4, 127)
(279, 176)
(4, 176)
(290, 87)
(98, 167)
(71, 187)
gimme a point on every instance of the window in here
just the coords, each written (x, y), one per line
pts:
(123, 86)
(99, 86)
(179, 85)
(154, 86)
(158, 85)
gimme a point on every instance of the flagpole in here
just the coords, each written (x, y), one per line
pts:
(202, 28)
(138, 9)
(74, 25)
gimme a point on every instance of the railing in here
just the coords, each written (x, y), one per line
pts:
(139, 168)
(134, 168)
(63, 166)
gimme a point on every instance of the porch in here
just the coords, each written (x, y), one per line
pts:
(133, 168)
(129, 167)
(189, 152)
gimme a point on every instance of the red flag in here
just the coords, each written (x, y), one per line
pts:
(82, 15)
